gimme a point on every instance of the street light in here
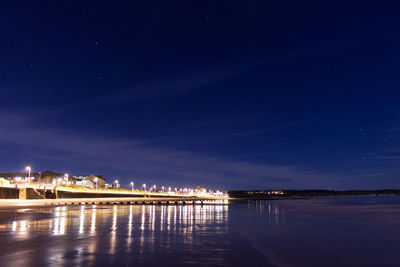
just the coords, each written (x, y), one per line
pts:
(144, 187)
(116, 184)
(66, 176)
(28, 168)
(95, 180)
(132, 183)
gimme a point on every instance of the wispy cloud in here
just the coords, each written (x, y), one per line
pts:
(155, 162)
(186, 81)
(214, 132)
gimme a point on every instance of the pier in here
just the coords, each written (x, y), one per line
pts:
(112, 201)
(34, 195)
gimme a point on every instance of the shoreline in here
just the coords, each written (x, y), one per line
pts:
(37, 203)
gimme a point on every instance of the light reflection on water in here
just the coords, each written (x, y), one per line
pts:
(271, 209)
(83, 219)
(89, 233)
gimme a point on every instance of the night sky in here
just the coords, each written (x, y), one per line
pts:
(223, 94)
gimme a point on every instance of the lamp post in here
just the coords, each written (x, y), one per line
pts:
(116, 184)
(66, 176)
(144, 187)
(95, 181)
(132, 184)
(28, 168)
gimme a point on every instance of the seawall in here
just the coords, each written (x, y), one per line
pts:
(9, 193)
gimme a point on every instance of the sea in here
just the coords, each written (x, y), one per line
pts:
(362, 231)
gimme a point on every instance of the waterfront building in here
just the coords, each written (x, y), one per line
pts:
(4, 182)
(112, 186)
(19, 177)
(46, 177)
(90, 181)
(55, 178)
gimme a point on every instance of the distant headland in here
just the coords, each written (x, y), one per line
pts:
(294, 194)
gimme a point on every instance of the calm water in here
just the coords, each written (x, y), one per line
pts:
(323, 232)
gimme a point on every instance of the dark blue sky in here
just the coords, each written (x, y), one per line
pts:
(225, 94)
